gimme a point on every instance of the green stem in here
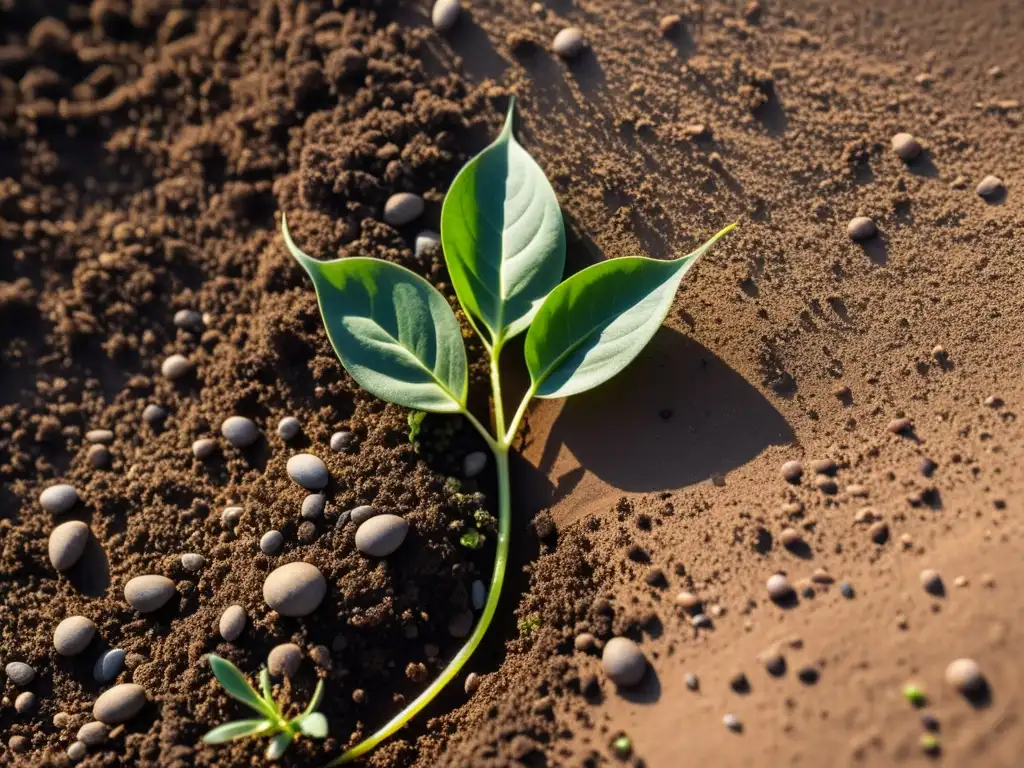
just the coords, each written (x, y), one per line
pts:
(499, 404)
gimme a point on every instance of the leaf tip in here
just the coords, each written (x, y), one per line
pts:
(510, 117)
(297, 253)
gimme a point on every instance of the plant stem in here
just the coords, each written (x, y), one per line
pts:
(499, 404)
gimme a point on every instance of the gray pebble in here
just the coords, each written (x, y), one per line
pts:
(381, 535)
(932, 582)
(774, 663)
(98, 456)
(101, 436)
(792, 471)
(240, 431)
(108, 666)
(965, 676)
(73, 634)
(58, 499)
(189, 320)
(308, 471)
(341, 441)
(568, 43)
(93, 733)
(732, 722)
(623, 662)
(700, 621)
(402, 208)
(478, 594)
(192, 562)
(861, 228)
(313, 506)
(846, 589)
(425, 242)
(270, 542)
(906, 146)
(288, 428)
(474, 463)
(692, 682)
(461, 624)
(20, 673)
(176, 367)
(120, 704)
(230, 516)
(990, 186)
(361, 514)
(295, 589)
(232, 623)
(284, 660)
(25, 702)
(203, 448)
(67, 543)
(76, 752)
(153, 414)
(148, 593)
(444, 14)
(779, 587)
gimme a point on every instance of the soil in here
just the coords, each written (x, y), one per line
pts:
(147, 151)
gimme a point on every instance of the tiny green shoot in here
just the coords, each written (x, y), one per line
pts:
(504, 244)
(528, 625)
(929, 744)
(623, 747)
(415, 424)
(914, 695)
(472, 539)
(271, 721)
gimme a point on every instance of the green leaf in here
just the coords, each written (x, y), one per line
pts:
(237, 730)
(503, 236)
(314, 724)
(597, 321)
(267, 688)
(279, 744)
(391, 329)
(318, 695)
(236, 686)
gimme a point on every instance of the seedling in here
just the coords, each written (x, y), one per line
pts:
(504, 243)
(272, 721)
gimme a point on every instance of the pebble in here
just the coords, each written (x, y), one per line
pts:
(148, 593)
(965, 676)
(73, 634)
(381, 535)
(478, 594)
(295, 589)
(732, 722)
(670, 24)
(270, 542)
(232, 623)
(98, 456)
(153, 414)
(792, 471)
(25, 702)
(740, 683)
(900, 426)
(906, 147)
(700, 621)
(821, 576)
(203, 448)
(474, 463)
(402, 208)
(791, 538)
(461, 624)
(826, 484)
(58, 499)
(176, 367)
(120, 704)
(76, 752)
(929, 722)
(189, 320)
(688, 601)
(192, 562)
(774, 663)
(568, 43)
(779, 588)
(990, 186)
(18, 744)
(101, 436)
(472, 683)
(342, 441)
(623, 662)
(288, 428)
(240, 431)
(932, 582)
(846, 589)
(857, 490)
(108, 666)
(313, 506)
(61, 719)
(67, 543)
(808, 675)
(284, 660)
(425, 241)
(93, 733)
(692, 682)
(306, 532)
(20, 673)
(960, 582)
(321, 656)
(861, 228)
(308, 471)
(444, 14)
(362, 513)
(824, 466)
(585, 642)
(879, 532)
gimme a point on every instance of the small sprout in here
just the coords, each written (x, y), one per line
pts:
(271, 721)
(930, 744)
(914, 695)
(484, 519)
(528, 625)
(472, 539)
(415, 424)
(623, 747)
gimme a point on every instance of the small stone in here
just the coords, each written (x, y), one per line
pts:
(740, 683)
(857, 490)
(176, 367)
(929, 722)
(189, 320)
(478, 595)
(461, 624)
(230, 516)
(988, 580)
(403, 208)
(824, 466)
(154, 414)
(381, 535)
(67, 543)
(474, 463)
(568, 43)
(93, 733)
(232, 623)
(879, 532)
(98, 456)
(732, 722)
(295, 589)
(148, 593)
(321, 656)
(203, 448)
(931, 581)
(774, 662)
(688, 601)
(846, 589)
(25, 702)
(700, 621)
(361, 514)
(76, 752)
(308, 471)
(861, 228)
(993, 401)
(20, 673)
(472, 683)
(692, 683)
(927, 467)
(791, 538)
(965, 676)
(669, 25)
(284, 660)
(271, 542)
(73, 634)
(792, 471)
(58, 499)
(960, 582)
(900, 426)
(120, 704)
(866, 515)
(444, 14)
(313, 506)
(585, 642)
(425, 242)
(100, 436)
(826, 484)
(359, 696)
(61, 719)
(990, 186)
(623, 662)
(779, 588)
(306, 532)
(906, 147)
(108, 666)
(192, 562)
(821, 577)
(808, 675)
(341, 441)
(18, 744)
(240, 431)
(288, 428)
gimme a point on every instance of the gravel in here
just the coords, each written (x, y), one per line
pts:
(688, 601)
(313, 506)
(381, 535)
(120, 704)
(623, 662)
(284, 660)
(100, 436)
(25, 702)
(93, 733)
(444, 14)
(154, 414)
(230, 516)
(931, 581)
(906, 147)
(193, 561)
(58, 499)
(98, 456)
(76, 752)
(271, 542)
(879, 532)
(308, 471)
(403, 208)
(203, 448)
(792, 471)
(425, 241)
(20, 673)
(73, 634)
(474, 463)
(176, 367)
(732, 722)
(342, 441)
(990, 186)
(847, 591)
(965, 676)
(288, 428)
(232, 623)
(472, 683)
(361, 514)
(585, 642)
(240, 431)
(861, 228)
(148, 593)
(692, 682)
(791, 538)
(779, 588)
(108, 666)
(569, 43)
(189, 320)
(67, 543)
(296, 589)
(18, 744)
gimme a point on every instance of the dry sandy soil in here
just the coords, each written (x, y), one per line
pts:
(147, 151)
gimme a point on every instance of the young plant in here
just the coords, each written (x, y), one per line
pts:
(271, 721)
(504, 243)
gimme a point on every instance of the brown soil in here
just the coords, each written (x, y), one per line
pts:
(146, 153)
